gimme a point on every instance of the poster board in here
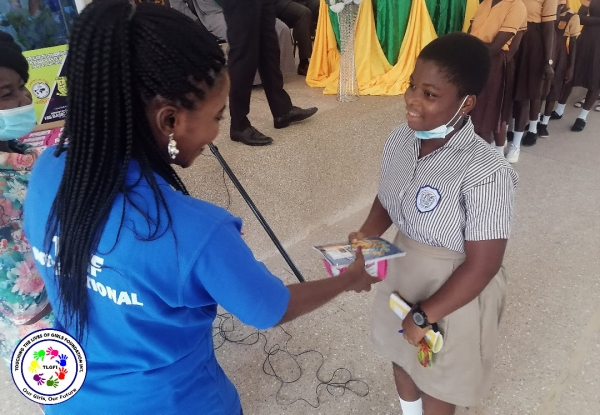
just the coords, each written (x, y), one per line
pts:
(48, 86)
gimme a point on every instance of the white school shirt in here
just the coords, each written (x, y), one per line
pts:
(462, 191)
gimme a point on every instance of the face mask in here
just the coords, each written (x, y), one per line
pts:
(443, 130)
(17, 122)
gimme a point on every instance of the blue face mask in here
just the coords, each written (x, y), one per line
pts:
(443, 130)
(17, 122)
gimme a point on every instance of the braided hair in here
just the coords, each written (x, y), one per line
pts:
(121, 57)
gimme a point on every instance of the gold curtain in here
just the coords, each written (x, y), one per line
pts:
(472, 6)
(374, 73)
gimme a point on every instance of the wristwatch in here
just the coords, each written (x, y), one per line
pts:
(550, 62)
(419, 318)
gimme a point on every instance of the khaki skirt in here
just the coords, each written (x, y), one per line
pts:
(462, 370)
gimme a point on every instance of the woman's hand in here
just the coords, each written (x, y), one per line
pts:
(356, 236)
(412, 333)
(360, 279)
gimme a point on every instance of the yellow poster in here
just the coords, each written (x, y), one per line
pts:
(47, 83)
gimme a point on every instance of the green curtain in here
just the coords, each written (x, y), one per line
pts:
(447, 16)
(335, 24)
(391, 19)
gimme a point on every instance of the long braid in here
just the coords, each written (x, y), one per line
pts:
(118, 62)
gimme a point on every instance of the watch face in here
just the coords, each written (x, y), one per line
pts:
(418, 319)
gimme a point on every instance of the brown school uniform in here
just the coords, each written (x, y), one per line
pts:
(530, 59)
(567, 25)
(587, 61)
(507, 16)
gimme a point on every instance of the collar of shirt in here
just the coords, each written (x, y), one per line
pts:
(460, 140)
(134, 175)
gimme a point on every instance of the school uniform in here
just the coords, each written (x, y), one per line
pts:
(587, 61)
(530, 59)
(507, 16)
(568, 25)
(461, 192)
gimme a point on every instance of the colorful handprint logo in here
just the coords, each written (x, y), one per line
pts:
(49, 366)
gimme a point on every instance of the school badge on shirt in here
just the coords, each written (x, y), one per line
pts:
(428, 198)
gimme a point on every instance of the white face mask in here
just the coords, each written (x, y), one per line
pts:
(443, 130)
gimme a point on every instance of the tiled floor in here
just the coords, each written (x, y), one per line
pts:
(315, 184)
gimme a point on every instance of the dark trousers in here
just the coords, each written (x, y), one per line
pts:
(253, 44)
(301, 16)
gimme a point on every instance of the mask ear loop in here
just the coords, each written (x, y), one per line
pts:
(455, 114)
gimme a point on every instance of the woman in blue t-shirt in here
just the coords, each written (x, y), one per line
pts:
(143, 265)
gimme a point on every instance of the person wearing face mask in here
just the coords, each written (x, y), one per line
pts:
(24, 305)
(163, 260)
(450, 195)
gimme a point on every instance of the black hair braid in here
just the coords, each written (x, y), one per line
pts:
(120, 58)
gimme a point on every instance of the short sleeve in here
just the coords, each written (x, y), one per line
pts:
(514, 19)
(574, 26)
(549, 8)
(227, 270)
(523, 27)
(489, 207)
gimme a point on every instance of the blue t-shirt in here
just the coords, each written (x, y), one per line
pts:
(151, 303)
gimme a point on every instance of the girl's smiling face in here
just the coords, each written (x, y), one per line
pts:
(432, 100)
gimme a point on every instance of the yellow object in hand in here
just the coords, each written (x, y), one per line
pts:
(434, 339)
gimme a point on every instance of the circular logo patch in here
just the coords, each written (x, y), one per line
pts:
(428, 198)
(41, 90)
(48, 366)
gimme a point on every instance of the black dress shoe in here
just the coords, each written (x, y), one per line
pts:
(530, 139)
(295, 115)
(579, 125)
(251, 137)
(543, 130)
(303, 68)
(555, 116)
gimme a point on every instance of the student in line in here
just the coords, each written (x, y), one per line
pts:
(450, 195)
(568, 27)
(500, 24)
(587, 62)
(147, 90)
(534, 69)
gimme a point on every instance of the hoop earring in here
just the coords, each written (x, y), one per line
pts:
(172, 146)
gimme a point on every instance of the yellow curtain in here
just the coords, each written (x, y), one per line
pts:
(396, 80)
(324, 66)
(374, 74)
(472, 6)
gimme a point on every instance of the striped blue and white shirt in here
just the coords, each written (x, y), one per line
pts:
(462, 191)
